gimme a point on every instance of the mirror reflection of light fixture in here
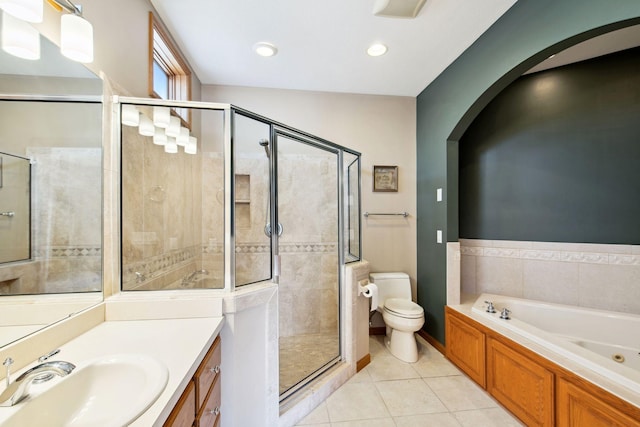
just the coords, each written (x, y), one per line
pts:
(146, 127)
(159, 138)
(19, 38)
(183, 139)
(130, 115)
(26, 10)
(192, 145)
(161, 117)
(173, 130)
(171, 147)
(76, 33)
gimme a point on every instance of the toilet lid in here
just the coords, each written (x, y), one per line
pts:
(403, 308)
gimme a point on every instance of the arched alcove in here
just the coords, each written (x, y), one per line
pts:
(526, 35)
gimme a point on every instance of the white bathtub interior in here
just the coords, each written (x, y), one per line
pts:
(604, 341)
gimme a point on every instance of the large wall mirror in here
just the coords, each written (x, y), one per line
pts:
(50, 191)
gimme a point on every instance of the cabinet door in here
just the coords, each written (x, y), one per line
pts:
(465, 348)
(520, 384)
(184, 413)
(576, 408)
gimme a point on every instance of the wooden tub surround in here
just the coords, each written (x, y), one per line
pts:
(536, 390)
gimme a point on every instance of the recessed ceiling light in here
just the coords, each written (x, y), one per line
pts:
(377, 49)
(265, 49)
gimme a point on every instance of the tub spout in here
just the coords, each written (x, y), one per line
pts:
(19, 389)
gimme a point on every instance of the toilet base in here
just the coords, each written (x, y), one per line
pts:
(402, 344)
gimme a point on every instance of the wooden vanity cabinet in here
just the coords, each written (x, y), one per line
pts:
(199, 405)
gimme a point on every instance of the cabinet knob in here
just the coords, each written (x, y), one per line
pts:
(215, 369)
(215, 411)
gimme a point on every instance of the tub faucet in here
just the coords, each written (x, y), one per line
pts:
(505, 314)
(490, 307)
(191, 277)
(19, 389)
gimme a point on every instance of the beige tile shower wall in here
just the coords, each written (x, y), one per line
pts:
(162, 226)
(382, 128)
(68, 250)
(14, 198)
(588, 275)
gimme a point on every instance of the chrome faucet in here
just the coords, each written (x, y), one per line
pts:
(19, 389)
(505, 314)
(191, 277)
(490, 307)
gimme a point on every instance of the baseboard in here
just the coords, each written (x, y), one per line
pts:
(431, 340)
(360, 364)
(378, 330)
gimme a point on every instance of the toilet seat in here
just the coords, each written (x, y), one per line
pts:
(403, 308)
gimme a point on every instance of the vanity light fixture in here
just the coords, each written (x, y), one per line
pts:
(76, 33)
(377, 49)
(19, 38)
(265, 49)
(25, 10)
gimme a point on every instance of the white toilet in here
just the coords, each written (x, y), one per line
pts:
(402, 316)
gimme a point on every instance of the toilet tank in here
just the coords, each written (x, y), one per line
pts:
(391, 285)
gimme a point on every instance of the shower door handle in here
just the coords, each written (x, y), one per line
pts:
(267, 229)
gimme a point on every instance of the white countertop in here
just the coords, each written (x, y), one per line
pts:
(180, 344)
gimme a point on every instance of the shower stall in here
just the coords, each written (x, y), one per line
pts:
(236, 199)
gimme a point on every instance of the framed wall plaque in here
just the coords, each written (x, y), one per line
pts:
(385, 178)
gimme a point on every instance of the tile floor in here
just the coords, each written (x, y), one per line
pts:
(391, 393)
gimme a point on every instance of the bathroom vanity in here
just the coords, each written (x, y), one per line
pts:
(187, 350)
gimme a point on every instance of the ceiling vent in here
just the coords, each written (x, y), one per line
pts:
(398, 8)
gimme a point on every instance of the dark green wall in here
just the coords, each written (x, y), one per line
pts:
(556, 157)
(529, 32)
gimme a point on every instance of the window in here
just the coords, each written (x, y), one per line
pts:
(169, 75)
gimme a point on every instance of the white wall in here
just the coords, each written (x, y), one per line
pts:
(382, 128)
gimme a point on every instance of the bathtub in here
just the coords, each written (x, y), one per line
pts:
(603, 341)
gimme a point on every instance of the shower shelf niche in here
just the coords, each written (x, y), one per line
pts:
(243, 200)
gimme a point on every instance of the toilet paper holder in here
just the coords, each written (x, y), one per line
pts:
(369, 290)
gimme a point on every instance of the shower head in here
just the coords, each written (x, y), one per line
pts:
(265, 143)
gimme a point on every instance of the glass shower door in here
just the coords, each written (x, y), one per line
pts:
(308, 248)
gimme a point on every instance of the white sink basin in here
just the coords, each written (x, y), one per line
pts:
(110, 391)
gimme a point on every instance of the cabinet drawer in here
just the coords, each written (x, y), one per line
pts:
(207, 372)
(210, 411)
(184, 413)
